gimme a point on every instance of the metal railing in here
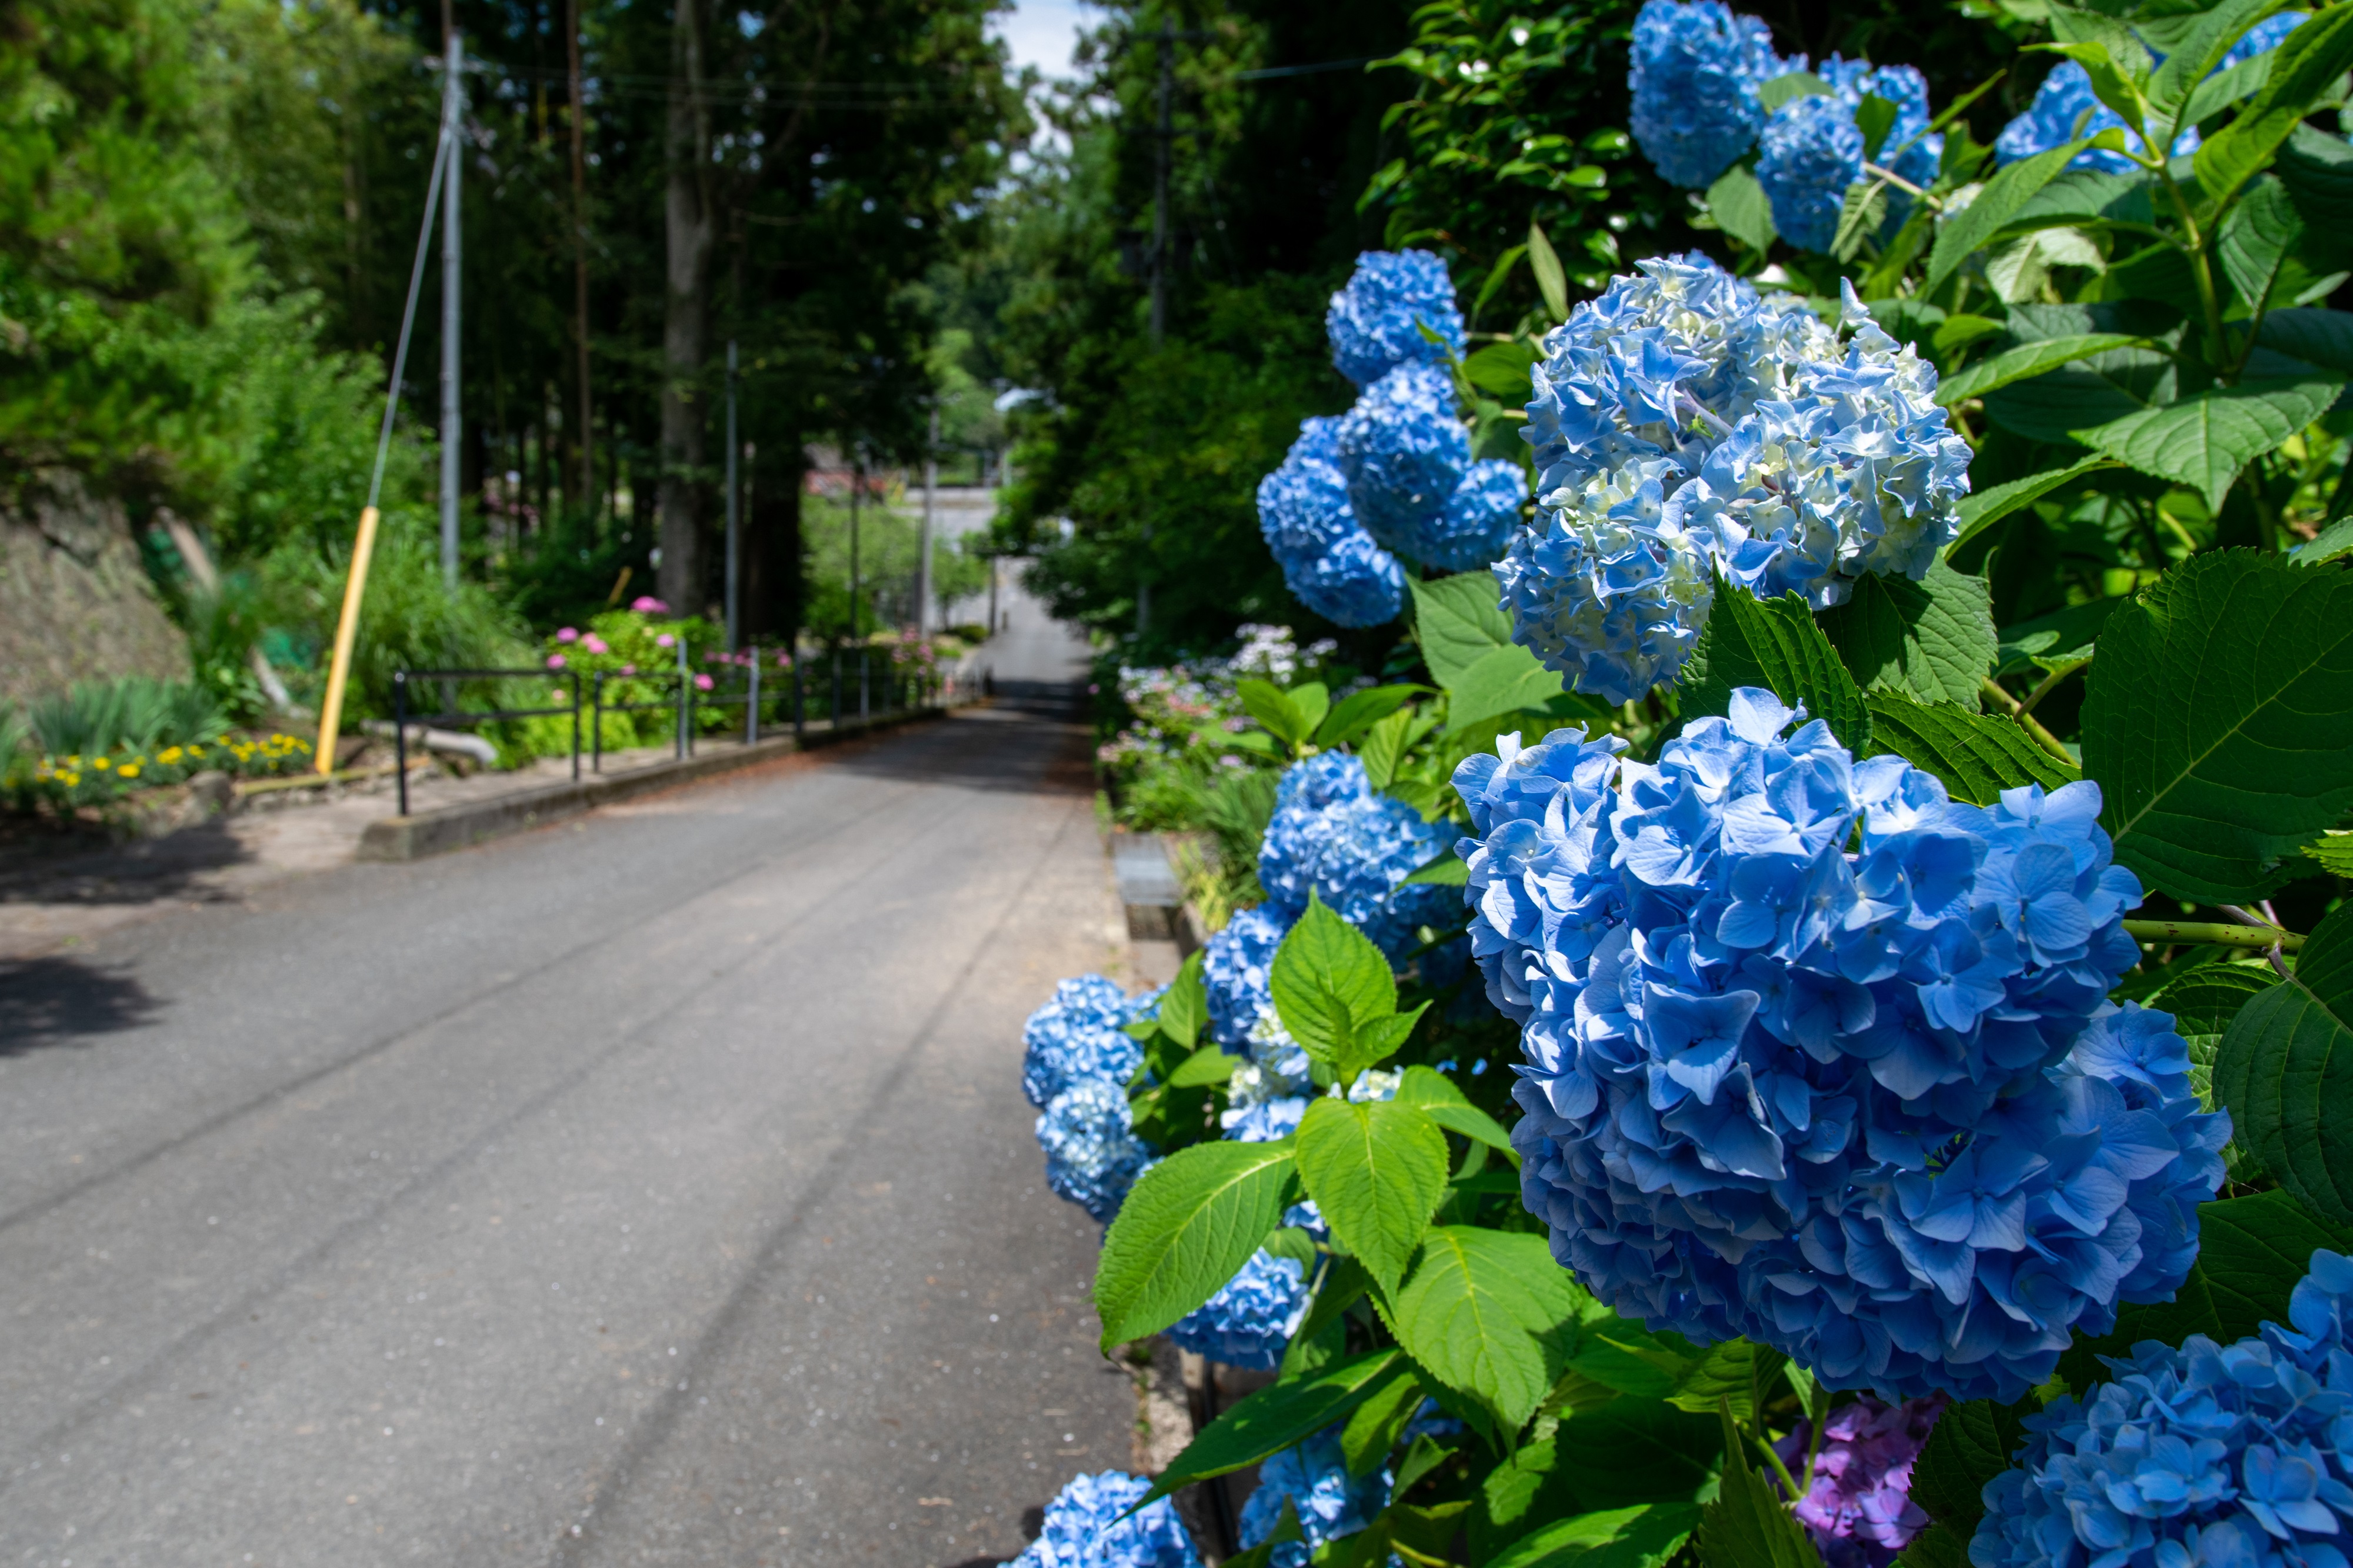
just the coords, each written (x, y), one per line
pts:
(865, 677)
(454, 718)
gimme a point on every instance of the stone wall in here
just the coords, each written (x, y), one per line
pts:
(76, 603)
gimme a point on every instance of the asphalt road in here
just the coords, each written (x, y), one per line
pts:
(653, 1189)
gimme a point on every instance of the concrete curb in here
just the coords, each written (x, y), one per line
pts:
(474, 821)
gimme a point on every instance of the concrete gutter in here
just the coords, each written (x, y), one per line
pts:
(469, 823)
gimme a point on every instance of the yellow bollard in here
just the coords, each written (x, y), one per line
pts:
(331, 711)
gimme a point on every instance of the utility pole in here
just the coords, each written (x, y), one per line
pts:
(923, 562)
(453, 116)
(1163, 132)
(857, 483)
(734, 518)
(587, 482)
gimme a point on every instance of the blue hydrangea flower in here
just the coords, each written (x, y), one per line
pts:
(1332, 835)
(1235, 965)
(2268, 34)
(1684, 426)
(1249, 1323)
(1084, 1527)
(1329, 1503)
(1375, 323)
(1607, 591)
(1404, 452)
(1910, 150)
(1263, 1120)
(1813, 151)
(2237, 1454)
(1092, 1154)
(2064, 108)
(1081, 1033)
(1478, 519)
(1696, 69)
(1329, 562)
(1868, 1105)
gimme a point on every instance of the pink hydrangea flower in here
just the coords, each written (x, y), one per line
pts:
(650, 606)
(702, 683)
(629, 669)
(569, 634)
(783, 660)
(665, 640)
(555, 661)
(594, 644)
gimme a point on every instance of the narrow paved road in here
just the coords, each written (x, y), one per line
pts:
(655, 1189)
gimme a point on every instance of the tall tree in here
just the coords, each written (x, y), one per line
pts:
(687, 220)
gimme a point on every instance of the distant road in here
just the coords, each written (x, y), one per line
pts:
(655, 1189)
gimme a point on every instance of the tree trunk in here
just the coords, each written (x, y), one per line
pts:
(686, 210)
(772, 536)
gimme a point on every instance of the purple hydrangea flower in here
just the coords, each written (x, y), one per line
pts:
(1868, 1105)
(1860, 1509)
(2237, 1455)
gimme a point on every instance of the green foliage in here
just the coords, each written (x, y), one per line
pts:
(1376, 1171)
(1642, 1536)
(1972, 1443)
(1275, 1417)
(1775, 644)
(1977, 756)
(2219, 722)
(1335, 994)
(1192, 1222)
(131, 714)
(1488, 1319)
(2285, 1070)
(1931, 641)
(1745, 1526)
(1467, 643)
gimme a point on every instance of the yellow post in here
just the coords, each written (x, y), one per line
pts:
(331, 711)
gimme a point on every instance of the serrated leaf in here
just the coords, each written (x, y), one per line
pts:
(1969, 230)
(2219, 722)
(2318, 337)
(2251, 1252)
(2107, 386)
(1738, 1372)
(1447, 871)
(1637, 1450)
(1458, 621)
(1375, 1425)
(1933, 640)
(1791, 86)
(1184, 1007)
(1359, 712)
(1425, 1455)
(1275, 711)
(1977, 755)
(2285, 1070)
(1328, 980)
(2257, 239)
(1738, 203)
(1385, 744)
(1745, 1526)
(1504, 681)
(1488, 1313)
(2189, 64)
(1935, 1547)
(1280, 1416)
(2318, 170)
(1986, 508)
(1643, 1536)
(1775, 644)
(1377, 1170)
(1343, 1284)
(2204, 1000)
(1501, 369)
(2334, 853)
(1862, 210)
(2305, 68)
(2024, 361)
(1971, 1443)
(1188, 1226)
(2204, 441)
(1208, 1065)
(1437, 1096)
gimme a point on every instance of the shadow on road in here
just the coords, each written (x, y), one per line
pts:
(54, 1001)
(127, 873)
(1001, 747)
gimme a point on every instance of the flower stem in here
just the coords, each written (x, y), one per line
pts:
(2048, 683)
(2214, 933)
(1901, 183)
(2026, 721)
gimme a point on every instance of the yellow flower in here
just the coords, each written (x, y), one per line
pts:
(101, 764)
(127, 771)
(168, 755)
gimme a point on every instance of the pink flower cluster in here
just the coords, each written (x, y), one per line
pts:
(1860, 1509)
(650, 606)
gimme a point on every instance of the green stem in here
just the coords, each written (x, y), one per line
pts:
(2026, 721)
(1789, 1482)
(2044, 689)
(2214, 934)
(1815, 1416)
(2201, 269)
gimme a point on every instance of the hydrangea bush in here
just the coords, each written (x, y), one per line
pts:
(1900, 779)
(1089, 1526)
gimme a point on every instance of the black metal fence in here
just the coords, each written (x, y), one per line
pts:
(859, 684)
